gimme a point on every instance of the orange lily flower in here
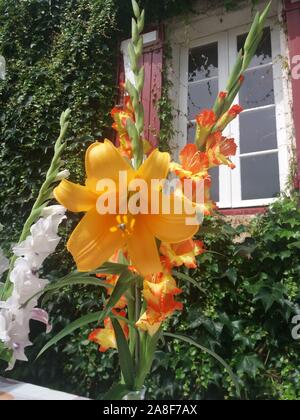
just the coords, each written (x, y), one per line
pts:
(105, 337)
(184, 253)
(97, 236)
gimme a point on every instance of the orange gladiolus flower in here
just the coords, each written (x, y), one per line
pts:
(228, 117)
(112, 280)
(120, 116)
(223, 95)
(184, 253)
(194, 164)
(159, 292)
(150, 322)
(235, 110)
(98, 236)
(206, 119)
(219, 149)
(105, 337)
(205, 123)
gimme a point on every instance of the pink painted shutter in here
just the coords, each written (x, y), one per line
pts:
(292, 13)
(153, 62)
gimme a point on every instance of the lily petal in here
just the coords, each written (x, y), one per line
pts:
(74, 197)
(92, 243)
(104, 161)
(143, 249)
(171, 227)
(155, 167)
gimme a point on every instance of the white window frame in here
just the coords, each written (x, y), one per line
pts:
(282, 141)
(230, 182)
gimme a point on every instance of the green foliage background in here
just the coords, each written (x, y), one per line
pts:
(64, 54)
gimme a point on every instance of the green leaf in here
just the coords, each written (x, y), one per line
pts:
(294, 245)
(269, 295)
(251, 365)
(81, 322)
(212, 353)
(232, 276)
(147, 352)
(5, 354)
(111, 268)
(246, 249)
(185, 277)
(120, 289)
(83, 281)
(125, 359)
(116, 393)
(125, 281)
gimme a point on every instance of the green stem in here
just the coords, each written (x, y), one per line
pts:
(138, 304)
(135, 50)
(131, 317)
(148, 348)
(44, 196)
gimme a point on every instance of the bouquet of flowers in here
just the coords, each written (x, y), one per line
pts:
(141, 213)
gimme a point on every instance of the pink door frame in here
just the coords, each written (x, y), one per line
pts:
(292, 16)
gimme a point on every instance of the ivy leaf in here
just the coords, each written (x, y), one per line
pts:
(231, 274)
(210, 352)
(246, 249)
(294, 245)
(270, 295)
(250, 365)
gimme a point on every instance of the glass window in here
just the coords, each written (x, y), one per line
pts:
(258, 130)
(260, 176)
(257, 126)
(203, 87)
(257, 175)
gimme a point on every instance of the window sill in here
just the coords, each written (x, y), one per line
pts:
(249, 211)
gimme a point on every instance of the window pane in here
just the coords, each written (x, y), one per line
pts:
(258, 130)
(260, 176)
(203, 62)
(201, 95)
(258, 89)
(215, 186)
(264, 51)
(191, 133)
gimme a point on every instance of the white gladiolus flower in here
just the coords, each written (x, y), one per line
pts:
(63, 175)
(20, 307)
(5, 320)
(26, 283)
(43, 239)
